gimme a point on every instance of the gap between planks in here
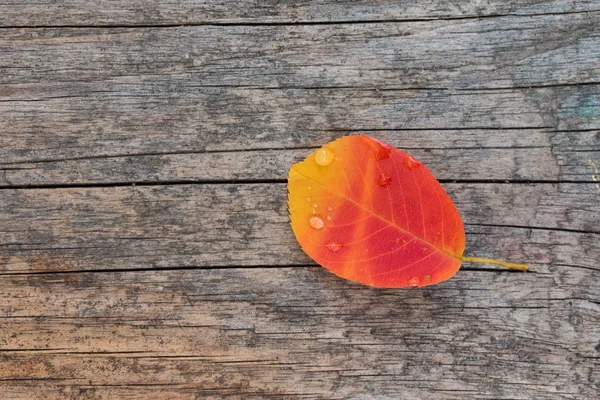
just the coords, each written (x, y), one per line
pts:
(294, 23)
(221, 267)
(259, 181)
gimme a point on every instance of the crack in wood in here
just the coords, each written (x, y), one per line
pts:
(184, 24)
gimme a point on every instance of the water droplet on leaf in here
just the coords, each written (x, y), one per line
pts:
(379, 151)
(316, 222)
(329, 208)
(413, 281)
(328, 218)
(384, 180)
(324, 156)
(308, 199)
(315, 205)
(411, 163)
(334, 246)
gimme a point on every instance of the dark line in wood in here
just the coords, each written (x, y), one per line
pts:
(219, 267)
(226, 151)
(294, 23)
(121, 320)
(124, 385)
(386, 89)
(553, 128)
(29, 350)
(503, 307)
(212, 358)
(431, 89)
(535, 227)
(590, 150)
(258, 181)
(520, 87)
(577, 266)
(578, 130)
(43, 99)
(513, 181)
(151, 154)
(155, 269)
(145, 183)
(479, 148)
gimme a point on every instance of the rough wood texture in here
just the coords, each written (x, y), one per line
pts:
(145, 248)
(247, 224)
(207, 88)
(492, 155)
(185, 12)
(300, 332)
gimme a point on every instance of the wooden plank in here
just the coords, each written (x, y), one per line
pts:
(299, 332)
(190, 89)
(230, 118)
(153, 12)
(492, 155)
(247, 224)
(496, 155)
(448, 54)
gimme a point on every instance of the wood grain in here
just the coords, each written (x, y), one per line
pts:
(145, 247)
(89, 92)
(300, 331)
(247, 224)
(222, 118)
(520, 155)
(136, 12)
(502, 52)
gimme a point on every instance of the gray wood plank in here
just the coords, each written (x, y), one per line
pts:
(79, 93)
(247, 224)
(503, 52)
(299, 332)
(153, 12)
(492, 155)
(107, 120)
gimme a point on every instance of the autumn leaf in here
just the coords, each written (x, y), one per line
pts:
(373, 214)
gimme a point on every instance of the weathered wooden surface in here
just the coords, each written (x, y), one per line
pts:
(170, 226)
(299, 332)
(27, 13)
(516, 155)
(145, 249)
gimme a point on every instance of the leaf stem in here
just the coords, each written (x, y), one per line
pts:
(519, 267)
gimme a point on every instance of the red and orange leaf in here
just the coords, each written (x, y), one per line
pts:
(373, 214)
